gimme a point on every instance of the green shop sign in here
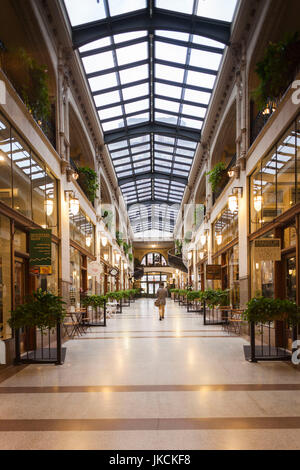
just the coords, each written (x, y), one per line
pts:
(40, 247)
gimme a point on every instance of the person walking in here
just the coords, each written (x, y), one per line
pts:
(162, 294)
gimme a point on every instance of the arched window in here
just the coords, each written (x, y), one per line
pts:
(154, 259)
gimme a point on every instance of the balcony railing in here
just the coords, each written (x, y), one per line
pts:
(258, 124)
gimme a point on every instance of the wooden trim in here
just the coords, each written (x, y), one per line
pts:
(226, 248)
(280, 221)
(83, 251)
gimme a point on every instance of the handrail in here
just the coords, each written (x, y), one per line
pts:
(176, 261)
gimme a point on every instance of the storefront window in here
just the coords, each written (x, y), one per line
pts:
(5, 163)
(21, 175)
(82, 231)
(38, 181)
(273, 183)
(225, 229)
(5, 277)
(75, 273)
(262, 278)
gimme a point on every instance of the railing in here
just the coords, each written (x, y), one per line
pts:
(41, 346)
(95, 316)
(138, 273)
(176, 261)
(215, 316)
(274, 342)
(258, 124)
(225, 180)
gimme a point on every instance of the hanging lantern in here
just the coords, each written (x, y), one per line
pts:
(74, 205)
(49, 206)
(233, 203)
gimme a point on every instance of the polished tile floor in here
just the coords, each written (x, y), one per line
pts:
(145, 384)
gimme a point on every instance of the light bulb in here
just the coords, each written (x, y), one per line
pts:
(104, 241)
(203, 239)
(88, 241)
(118, 256)
(106, 257)
(257, 202)
(49, 205)
(201, 254)
(74, 205)
(219, 239)
(232, 203)
(125, 265)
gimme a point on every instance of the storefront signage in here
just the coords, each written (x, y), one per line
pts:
(114, 272)
(94, 268)
(214, 272)
(40, 250)
(267, 249)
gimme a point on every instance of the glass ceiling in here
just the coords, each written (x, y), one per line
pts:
(151, 89)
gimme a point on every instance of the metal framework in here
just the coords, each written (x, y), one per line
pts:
(151, 73)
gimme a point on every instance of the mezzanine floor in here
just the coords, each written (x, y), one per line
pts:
(145, 384)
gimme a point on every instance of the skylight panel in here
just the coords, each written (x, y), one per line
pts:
(103, 81)
(186, 143)
(136, 106)
(133, 74)
(168, 90)
(217, 9)
(138, 119)
(140, 140)
(164, 139)
(104, 42)
(117, 145)
(185, 122)
(173, 35)
(196, 96)
(98, 62)
(134, 53)
(84, 12)
(200, 79)
(185, 6)
(110, 112)
(117, 7)
(107, 98)
(118, 38)
(193, 111)
(166, 72)
(204, 59)
(109, 126)
(170, 52)
(140, 148)
(164, 148)
(135, 91)
(207, 42)
(167, 105)
(166, 118)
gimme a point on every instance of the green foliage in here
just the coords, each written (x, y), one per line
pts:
(126, 247)
(31, 82)
(215, 298)
(178, 247)
(277, 68)
(130, 257)
(194, 295)
(42, 310)
(216, 174)
(119, 238)
(263, 310)
(93, 301)
(88, 180)
(107, 218)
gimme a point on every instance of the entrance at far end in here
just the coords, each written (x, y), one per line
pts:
(150, 283)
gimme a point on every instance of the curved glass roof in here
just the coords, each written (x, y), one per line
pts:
(151, 67)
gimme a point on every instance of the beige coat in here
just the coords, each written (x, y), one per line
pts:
(162, 294)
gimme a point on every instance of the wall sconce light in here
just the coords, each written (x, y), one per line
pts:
(105, 256)
(270, 108)
(177, 271)
(231, 173)
(88, 240)
(257, 202)
(117, 256)
(203, 239)
(49, 206)
(219, 238)
(190, 255)
(233, 203)
(74, 205)
(201, 254)
(125, 265)
(104, 241)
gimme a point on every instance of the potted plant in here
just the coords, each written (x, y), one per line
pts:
(216, 175)
(42, 310)
(119, 238)
(178, 247)
(277, 69)
(264, 310)
(88, 180)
